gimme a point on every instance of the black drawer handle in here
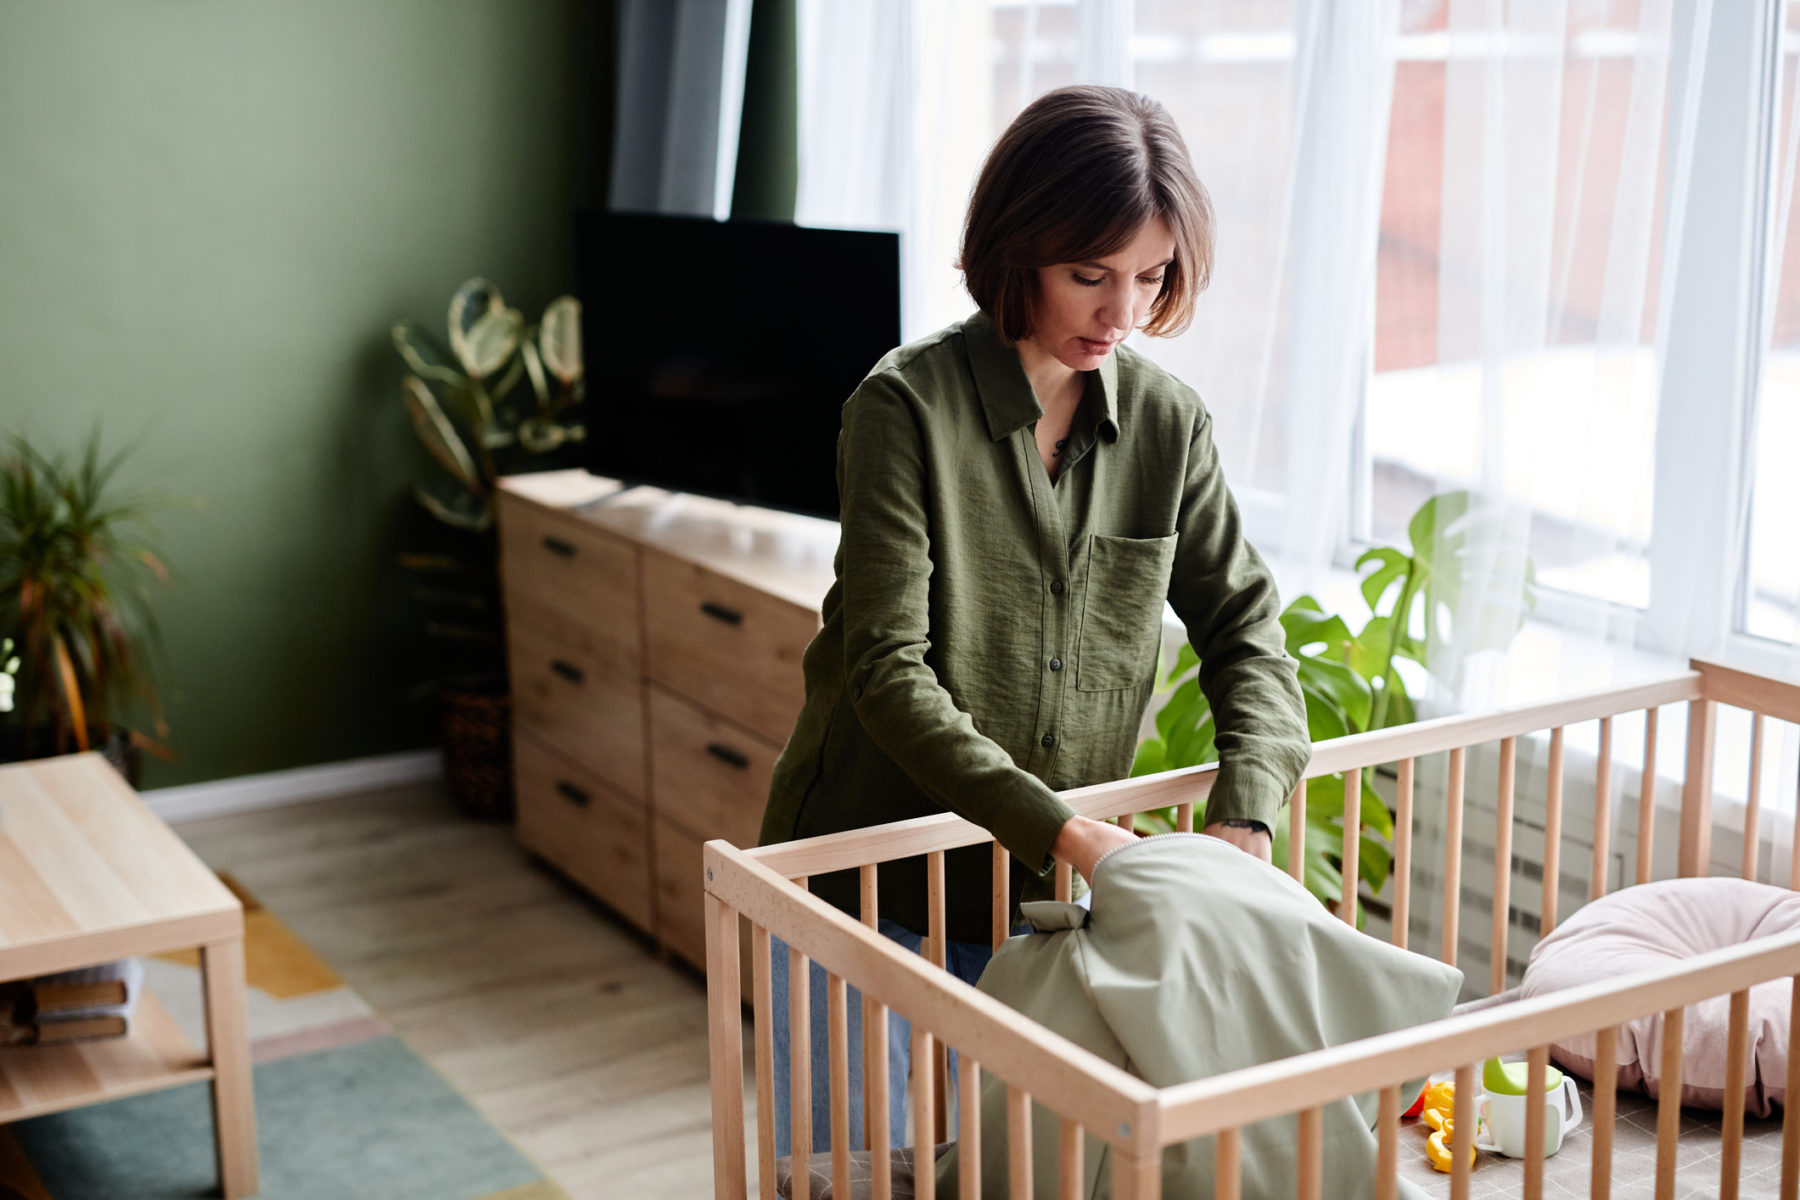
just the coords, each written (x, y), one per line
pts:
(719, 612)
(567, 670)
(726, 754)
(556, 545)
(572, 793)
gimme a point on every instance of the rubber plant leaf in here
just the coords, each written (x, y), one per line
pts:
(439, 435)
(493, 339)
(559, 336)
(474, 300)
(540, 436)
(534, 367)
(423, 354)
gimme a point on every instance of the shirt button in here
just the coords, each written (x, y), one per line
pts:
(1049, 740)
(1056, 664)
(856, 693)
(1056, 587)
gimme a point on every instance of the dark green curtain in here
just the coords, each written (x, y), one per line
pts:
(768, 158)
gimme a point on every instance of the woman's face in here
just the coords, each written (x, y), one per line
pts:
(1084, 309)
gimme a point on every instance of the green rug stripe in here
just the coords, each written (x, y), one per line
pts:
(368, 1120)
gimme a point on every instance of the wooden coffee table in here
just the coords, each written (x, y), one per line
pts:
(89, 874)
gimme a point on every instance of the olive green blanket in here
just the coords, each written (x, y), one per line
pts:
(1197, 959)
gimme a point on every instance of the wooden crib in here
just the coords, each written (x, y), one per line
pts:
(767, 888)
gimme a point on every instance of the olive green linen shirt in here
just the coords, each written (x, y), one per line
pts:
(992, 637)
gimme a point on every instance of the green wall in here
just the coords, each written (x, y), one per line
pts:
(210, 213)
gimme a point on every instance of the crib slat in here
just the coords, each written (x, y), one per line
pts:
(1387, 1155)
(936, 1067)
(1503, 830)
(1695, 846)
(1453, 823)
(1601, 870)
(1310, 1166)
(837, 1013)
(1065, 881)
(1606, 1102)
(1753, 800)
(1463, 1140)
(1002, 893)
(1646, 830)
(1553, 798)
(763, 1004)
(870, 918)
(924, 1117)
(1536, 1061)
(1352, 842)
(1668, 1105)
(1018, 1143)
(1403, 813)
(1731, 1135)
(1297, 833)
(1790, 1113)
(1069, 1182)
(1184, 817)
(800, 1143)
(725, 1049)
(875, 1115)
(968, 1127)
(1228, 1180)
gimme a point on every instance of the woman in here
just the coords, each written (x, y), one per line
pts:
(1020, 495)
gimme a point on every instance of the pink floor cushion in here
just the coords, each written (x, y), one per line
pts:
(1651, 925)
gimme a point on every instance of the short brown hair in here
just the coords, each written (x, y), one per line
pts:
(1073, 178)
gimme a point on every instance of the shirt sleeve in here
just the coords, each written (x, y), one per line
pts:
(1226, 597)
(886, 577)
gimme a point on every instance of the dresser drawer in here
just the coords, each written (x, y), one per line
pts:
(680, 892)
(575, 570)
(726, 645)
(576, 702)
(708, 775)
(595, 835)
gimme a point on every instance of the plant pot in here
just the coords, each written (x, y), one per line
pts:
(20, 743)
(476, 731)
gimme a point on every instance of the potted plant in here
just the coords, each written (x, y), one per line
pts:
(1351, 684)
(76, 582)
(464, 400)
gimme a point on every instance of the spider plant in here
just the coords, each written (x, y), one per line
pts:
(76, 581)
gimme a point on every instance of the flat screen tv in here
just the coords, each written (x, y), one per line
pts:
(719, 353)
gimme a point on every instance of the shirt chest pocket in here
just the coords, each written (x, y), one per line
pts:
(1122, 607)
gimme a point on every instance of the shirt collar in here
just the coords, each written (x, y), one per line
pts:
(1006, 395)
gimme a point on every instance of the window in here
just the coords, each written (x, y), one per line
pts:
(1516, 283)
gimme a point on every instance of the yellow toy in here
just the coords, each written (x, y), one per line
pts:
(1440, 1105)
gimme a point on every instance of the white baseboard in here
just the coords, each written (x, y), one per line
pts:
(247, 792)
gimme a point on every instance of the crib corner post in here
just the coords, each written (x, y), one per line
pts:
(725, 1043)
(1696, 789)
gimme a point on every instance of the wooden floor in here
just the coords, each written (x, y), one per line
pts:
(540, 1006)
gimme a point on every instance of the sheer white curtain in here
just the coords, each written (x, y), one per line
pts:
(1514, 250)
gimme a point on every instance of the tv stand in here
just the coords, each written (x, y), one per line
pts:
(654, 641)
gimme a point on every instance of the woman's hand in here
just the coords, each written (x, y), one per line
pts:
(1255, 842)
(1082, 840)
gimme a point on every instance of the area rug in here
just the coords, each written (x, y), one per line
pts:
(344, 1109)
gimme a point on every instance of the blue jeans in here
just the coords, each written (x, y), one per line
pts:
(965, 960)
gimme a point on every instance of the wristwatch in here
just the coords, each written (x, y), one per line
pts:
(1246, 823)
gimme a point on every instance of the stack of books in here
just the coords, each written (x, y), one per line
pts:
(72, 1006)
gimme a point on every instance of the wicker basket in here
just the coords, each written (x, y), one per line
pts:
(477, 735)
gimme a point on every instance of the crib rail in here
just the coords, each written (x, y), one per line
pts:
(1094, 1099)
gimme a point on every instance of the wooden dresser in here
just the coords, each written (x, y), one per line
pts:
(654, 641)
